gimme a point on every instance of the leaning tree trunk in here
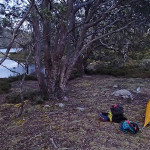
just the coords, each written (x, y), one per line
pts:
(37, 49)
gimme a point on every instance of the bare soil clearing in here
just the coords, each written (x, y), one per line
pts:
(68, 128)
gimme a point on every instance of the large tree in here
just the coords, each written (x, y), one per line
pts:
(64, 30)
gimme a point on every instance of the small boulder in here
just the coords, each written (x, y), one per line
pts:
(138, 90)
(61, 104)
(81, 108)
(123, 93)
(115, 86)
(52, 113)
(46, 106)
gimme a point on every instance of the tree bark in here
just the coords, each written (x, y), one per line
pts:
(38, 49)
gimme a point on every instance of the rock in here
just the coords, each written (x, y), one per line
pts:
(52, 113)
(65, 98)
(138, 90)
(115, 86)
(81, 108)
(46, 106)
(94, 94)
(123, 93)
(61, 104)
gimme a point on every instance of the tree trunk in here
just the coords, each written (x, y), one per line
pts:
(37, 49)
(40, 75)
(51, 79)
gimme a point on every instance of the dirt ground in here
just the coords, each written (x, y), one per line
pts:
(68, 128)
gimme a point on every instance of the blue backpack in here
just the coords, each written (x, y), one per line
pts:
(129, 126)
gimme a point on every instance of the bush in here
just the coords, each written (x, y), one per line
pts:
(5, 83)
(39, 100)
(16, 78)
(4, 86)
(75, 73)
(13, 98)
(131, 68)
(31, 77)
(135, 72)
(28, 94)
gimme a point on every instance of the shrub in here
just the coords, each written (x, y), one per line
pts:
(13, 98)
(75, 73)
(28, 94)
(5, 83)
(16, 78)
(31, 77)
(4, 86)
(38, 100)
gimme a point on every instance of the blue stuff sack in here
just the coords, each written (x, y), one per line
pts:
(129, 126)
(104, 117)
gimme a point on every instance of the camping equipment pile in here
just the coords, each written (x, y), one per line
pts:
(116, 115)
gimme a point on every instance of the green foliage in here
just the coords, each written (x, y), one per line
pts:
(13, 98)
(21, 56)
(140, 54)
(39, 100)
(17, 78)
(46, 13)
(31, 95)
(131, 68)
(75, 73)
(142, 7)
(5, 22)
(31, 77)
(4, 86)
(5, 83)
(61, 8)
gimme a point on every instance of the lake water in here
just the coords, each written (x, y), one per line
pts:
(13, 66)
(12, 50)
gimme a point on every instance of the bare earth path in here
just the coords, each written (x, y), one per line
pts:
(67, 128)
